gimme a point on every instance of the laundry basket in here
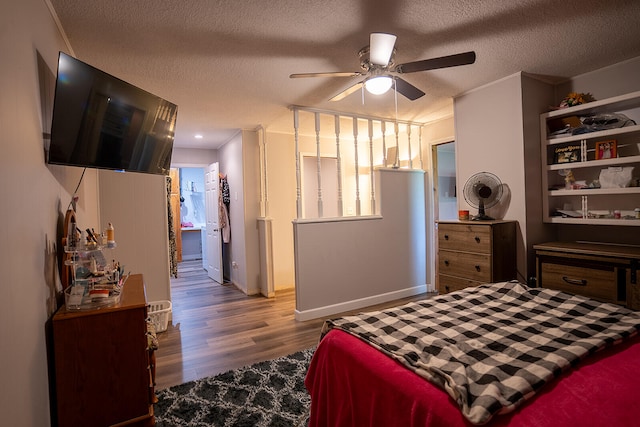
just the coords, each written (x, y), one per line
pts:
(159, 314)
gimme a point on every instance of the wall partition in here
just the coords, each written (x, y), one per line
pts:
(359, 236)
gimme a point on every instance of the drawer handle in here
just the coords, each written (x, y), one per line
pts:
(579, 282)
(446, 237)
(446, 288)
(446, 262)
(477, 268)
(477, 239)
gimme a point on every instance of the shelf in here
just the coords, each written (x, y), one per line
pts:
(601, 134)
(594, 163)
(617, 103)
(87, 249)
(595, 221)
(595, 191)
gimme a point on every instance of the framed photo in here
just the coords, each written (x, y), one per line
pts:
(606, 149)
(568, 154)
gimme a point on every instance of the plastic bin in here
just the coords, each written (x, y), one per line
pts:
(159, 314)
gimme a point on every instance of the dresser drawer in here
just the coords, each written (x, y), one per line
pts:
(464, 237)
(448, 284)
(466, 265)
(597, 283)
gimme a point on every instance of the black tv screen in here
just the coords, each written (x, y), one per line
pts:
(100, 121)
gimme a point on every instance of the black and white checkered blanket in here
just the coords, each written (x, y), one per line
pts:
(494, 346)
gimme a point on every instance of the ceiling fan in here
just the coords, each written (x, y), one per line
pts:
(381, 72)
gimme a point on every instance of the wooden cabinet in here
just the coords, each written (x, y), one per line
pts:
(600, 271)
(102, 374)
(582, 201)
(475, 252)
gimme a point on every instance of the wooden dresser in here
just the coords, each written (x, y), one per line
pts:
(600, 271)
(102, 372)
(475, 252)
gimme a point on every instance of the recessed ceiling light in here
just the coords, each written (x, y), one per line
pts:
(198, 136)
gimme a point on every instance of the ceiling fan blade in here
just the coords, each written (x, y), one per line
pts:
(381, 48)
(435, 63)
(406, 89)
(348, 91)
(328, 74)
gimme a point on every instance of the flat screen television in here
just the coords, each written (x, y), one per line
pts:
(100, 121)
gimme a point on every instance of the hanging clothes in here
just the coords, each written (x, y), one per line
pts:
(224, 187)
(173, 253)
(223, 210)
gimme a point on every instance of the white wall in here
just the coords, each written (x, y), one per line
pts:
(281, 164)
(192, 157)
(251, 201)
(351, 263)
(491, 136)
(34, 199)
(607, 82)
(239, 160)
(136, 205)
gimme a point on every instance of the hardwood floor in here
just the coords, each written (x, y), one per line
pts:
(216, 328)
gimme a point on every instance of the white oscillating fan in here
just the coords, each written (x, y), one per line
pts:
(482, 190)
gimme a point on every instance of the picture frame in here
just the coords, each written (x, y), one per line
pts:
(567, 154)
(606, 149)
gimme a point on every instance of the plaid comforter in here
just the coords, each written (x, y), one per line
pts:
(494, 346)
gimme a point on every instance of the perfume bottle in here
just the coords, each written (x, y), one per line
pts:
(110, 234)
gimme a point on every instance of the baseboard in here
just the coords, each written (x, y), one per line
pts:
(342, 307)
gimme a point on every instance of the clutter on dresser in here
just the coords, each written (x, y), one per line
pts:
(95, 280)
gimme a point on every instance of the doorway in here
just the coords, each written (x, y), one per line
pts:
(195, 207)
(444, 183)
(189, 209)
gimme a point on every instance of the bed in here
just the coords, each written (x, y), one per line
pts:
(559, 360)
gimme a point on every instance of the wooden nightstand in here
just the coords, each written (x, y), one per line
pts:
(475, 252)
(600, 271)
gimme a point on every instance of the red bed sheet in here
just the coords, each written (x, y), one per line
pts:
(353, 384)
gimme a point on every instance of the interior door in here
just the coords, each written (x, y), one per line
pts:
(444, 176)
(214, 241)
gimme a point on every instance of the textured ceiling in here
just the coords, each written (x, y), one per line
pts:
(226, 64)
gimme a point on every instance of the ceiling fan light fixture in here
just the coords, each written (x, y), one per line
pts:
(378, 85)
(381, 47)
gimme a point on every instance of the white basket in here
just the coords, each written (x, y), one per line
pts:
(159, 314)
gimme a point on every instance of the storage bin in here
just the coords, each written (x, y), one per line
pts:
(159, 314)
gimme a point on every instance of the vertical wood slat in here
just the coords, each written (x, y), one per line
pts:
(338, 163)
(297, 149)
(263, 174)
(319, 165)
(371, 180)
(420, 146)
(396, 162)
(357, 166)
(384, 143)
(409, 145)
(266, 173)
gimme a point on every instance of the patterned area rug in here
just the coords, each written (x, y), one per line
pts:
(266, 394)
